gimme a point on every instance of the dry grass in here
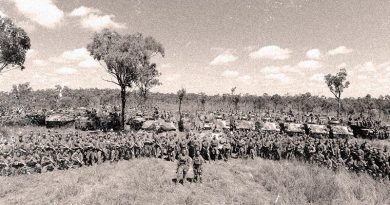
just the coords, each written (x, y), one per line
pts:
(149, 181)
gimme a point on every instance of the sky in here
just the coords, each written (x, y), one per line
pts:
(265, 46)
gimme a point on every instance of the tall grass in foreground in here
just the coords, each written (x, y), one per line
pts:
(149, 181)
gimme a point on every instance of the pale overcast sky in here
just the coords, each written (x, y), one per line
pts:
(283, 46)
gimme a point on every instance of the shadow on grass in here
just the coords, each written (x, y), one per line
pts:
(188, 180)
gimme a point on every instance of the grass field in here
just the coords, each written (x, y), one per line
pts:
(150, 181)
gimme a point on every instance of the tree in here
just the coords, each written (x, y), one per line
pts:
(124, 57)
(147, 79)
(336, 84)
(202, 99)
(276, 99)
(22, 93)
(181, 94)
(236, 100)
(260, 102)
(14, 44)
(232, 90)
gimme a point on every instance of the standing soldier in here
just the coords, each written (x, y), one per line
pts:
(214, 148)
(251, 148)
(227, 150)
(197, 166)
(205, 149)
(183, 165)
(171, 150)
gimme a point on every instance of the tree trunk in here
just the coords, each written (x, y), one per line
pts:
(123, 98)
(180, 118)
(179, 110)
(338, 108)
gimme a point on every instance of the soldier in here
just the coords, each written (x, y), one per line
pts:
(289, 150)
(183, 165)
(227, 150)
(251, 148)
(47, 161)
(171, 150)
(63, 159)
(3, 166)
(6, 149)
(197, 166)
(77, 158)
(299, 151)
(157, 148)
(205, 151)
(214, 148)
(138, 147)
(310, 151)
(241, 148)
(130, 147)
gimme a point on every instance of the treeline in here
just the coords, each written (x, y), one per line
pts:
(23, 98)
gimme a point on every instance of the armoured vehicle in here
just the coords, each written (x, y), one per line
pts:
(59, 120)
(272, 127)
(317, 131)
(293, 128)
(340, 131)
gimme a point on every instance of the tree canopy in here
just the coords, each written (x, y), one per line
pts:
(336, 84)
(14, 44)
(127, 59)
(147, 79)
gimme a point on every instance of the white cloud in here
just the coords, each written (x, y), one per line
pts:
(271, 52)
(275, 73)
(39, 62)
(366, 67)
(245, 79)
(78, 57)
(310, 64)
(342, 65)
(314, 54)
(270, 70)
(43, 12)
(362, 77)
(172, 77)
(76, 54)
(66, 71)
(98, 22)
(224, 58)
(166, 65)
(92, 18)
(318, 77)
(57, 59)
(230, 73)
(83, 11)
(26, 25)
(278, 76)
(30, 53)
(89, 63)
(339, 50)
